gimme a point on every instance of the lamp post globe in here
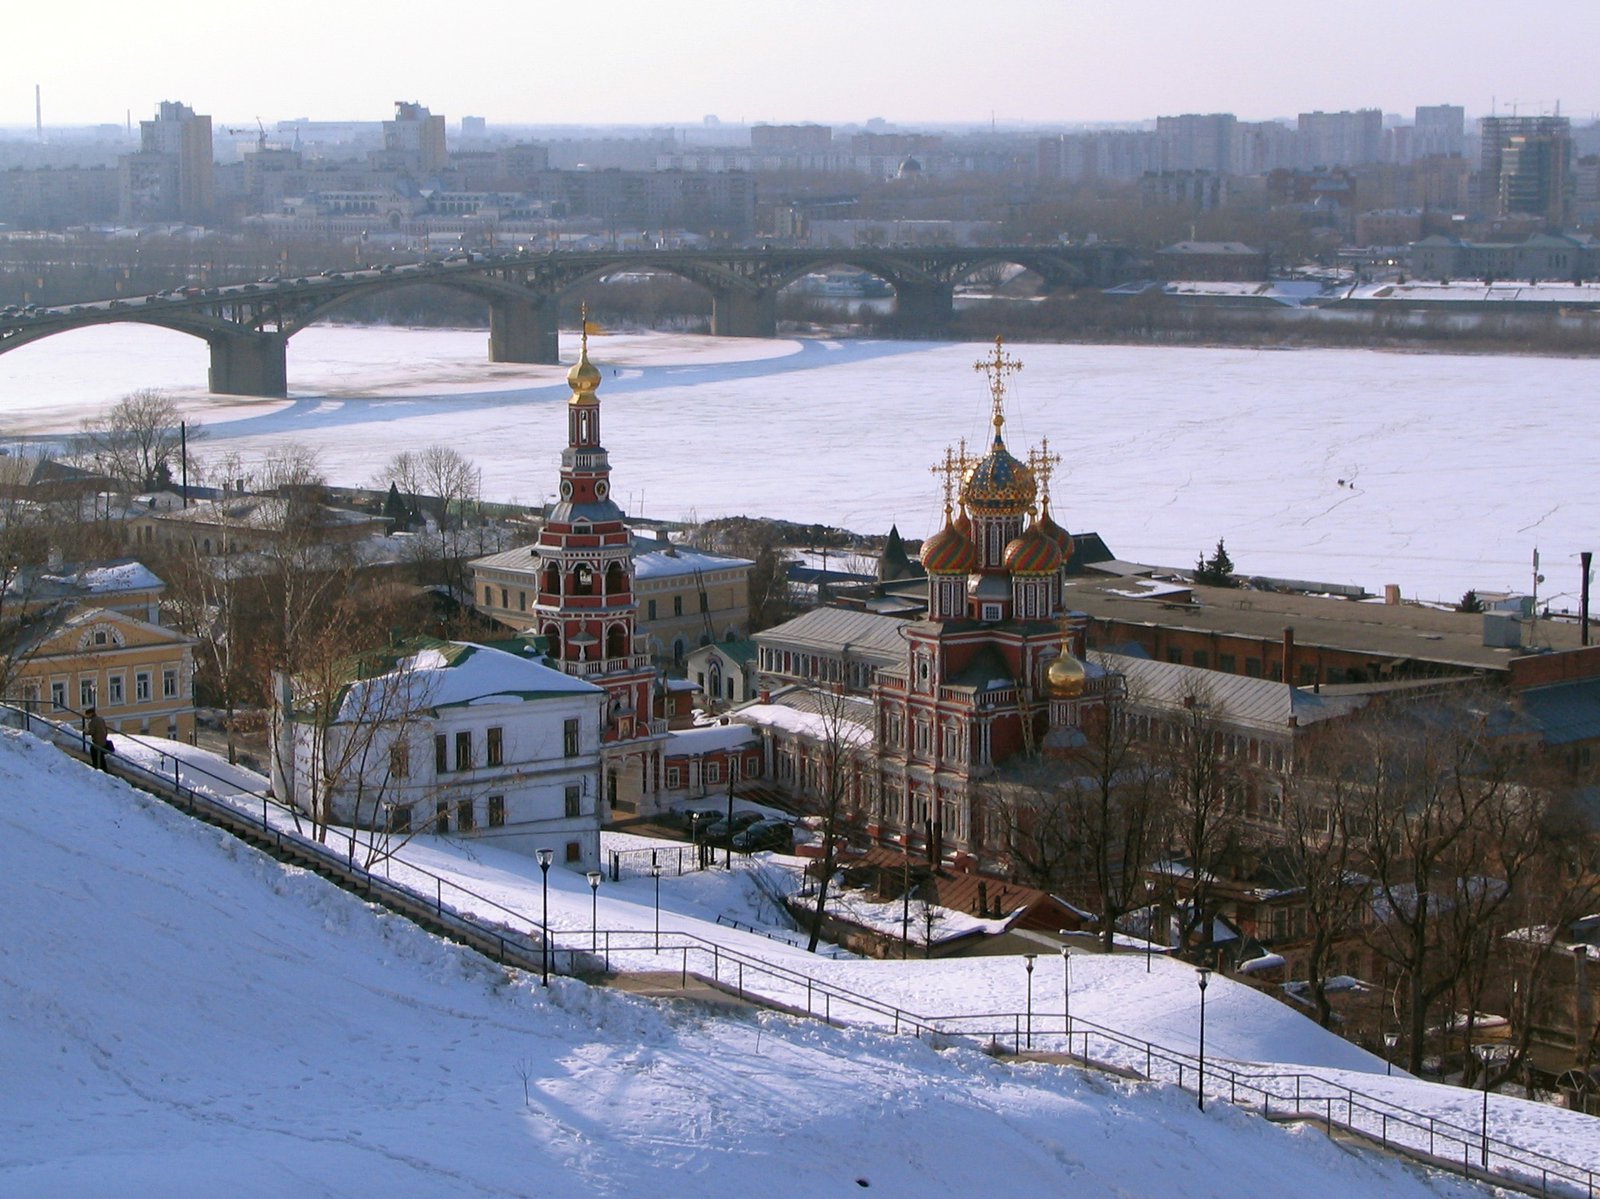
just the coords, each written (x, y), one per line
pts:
(544, 857)
(594, 910)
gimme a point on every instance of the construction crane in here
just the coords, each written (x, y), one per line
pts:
(261, 134)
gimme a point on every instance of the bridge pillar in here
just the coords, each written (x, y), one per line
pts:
(739, 313)
(250, 364)
(925, 305)
(524, 330)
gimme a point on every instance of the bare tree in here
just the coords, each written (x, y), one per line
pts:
(1450, 841)
(1206, 802)
(446, 484)
(1322, 846)
(138, 442)
(832, 775)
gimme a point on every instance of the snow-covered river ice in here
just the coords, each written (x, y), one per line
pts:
(1434, 471)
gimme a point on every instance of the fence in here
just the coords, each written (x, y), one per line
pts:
(1288, 1095)
(513, 939)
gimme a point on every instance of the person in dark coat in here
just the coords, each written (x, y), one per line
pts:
(99, 738)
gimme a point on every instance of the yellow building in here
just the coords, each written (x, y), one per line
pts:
(139, 675)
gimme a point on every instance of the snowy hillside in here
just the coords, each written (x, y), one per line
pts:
(183, 1017)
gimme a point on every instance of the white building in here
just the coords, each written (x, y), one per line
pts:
(453, 739)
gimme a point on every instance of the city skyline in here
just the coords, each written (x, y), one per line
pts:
(1025, 62)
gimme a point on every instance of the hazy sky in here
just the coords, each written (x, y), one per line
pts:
(673, 61)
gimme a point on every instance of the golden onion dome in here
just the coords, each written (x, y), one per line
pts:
(1066, 676)
(1034, 553)
(998, 484)
(949, 551)
(583, 378)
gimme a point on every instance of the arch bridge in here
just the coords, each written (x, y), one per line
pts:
(247, 326)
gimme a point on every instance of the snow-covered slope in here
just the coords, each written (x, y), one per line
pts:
(182, 1016)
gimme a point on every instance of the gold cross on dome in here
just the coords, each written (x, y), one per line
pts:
(583, 328)
(997, 367)
(1043, 464)
(949, 468)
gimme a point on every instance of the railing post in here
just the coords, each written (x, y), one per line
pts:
(438, 895)
(808, 996)
(608, 951)
(683, 980)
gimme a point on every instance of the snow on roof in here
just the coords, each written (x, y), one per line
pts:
(105, 579)
(816, 725)
(456, 674)
(708, 739)
(658, 564)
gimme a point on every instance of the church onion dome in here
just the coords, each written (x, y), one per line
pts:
(584, 377)
(1034, 553)
(1053, 531)
(949, 551)
(1066, 676)
(998, 484)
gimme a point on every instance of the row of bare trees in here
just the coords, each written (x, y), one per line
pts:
(1417, 832)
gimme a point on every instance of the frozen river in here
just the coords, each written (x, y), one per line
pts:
(1436, 472)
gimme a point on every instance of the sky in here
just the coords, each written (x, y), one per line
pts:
(837, 61)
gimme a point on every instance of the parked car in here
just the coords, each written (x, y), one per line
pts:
(765, 834)
(721, 830)
(708, 817)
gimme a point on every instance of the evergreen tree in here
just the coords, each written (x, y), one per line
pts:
(1217, 570)
(395, 510)
(1470, 602)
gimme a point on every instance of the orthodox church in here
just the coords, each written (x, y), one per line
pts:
(995, 670)
(586, 608)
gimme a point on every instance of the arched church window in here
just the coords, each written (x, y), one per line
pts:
(583, 579)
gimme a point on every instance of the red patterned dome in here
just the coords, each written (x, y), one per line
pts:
(1034, 553)
(949, 551)
(1055, 532)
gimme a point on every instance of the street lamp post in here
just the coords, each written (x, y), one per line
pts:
(727, 860)
(1205, 978)
(594, 910)
(1487, 1054)
(1066, 986)
(1390, 1040)
(1027, 960)
(544, 856)
(694, 836)
(1066, 993)
(655, 873)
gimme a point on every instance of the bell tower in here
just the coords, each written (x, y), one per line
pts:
(585, 607)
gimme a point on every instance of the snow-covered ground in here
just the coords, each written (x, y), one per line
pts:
(185, 1017)
(1434, 471)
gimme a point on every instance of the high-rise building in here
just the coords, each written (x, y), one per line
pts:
(1524, 165)
(170, 178)
(1333, 139)
(414, 140)
(1440, 131)
(1198, 142)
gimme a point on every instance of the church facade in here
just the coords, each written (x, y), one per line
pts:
(995, 671)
